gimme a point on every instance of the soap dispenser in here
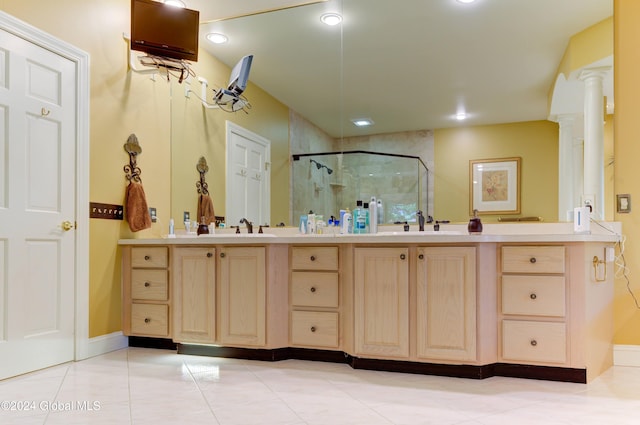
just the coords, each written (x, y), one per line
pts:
(475, 225)
(203, 228)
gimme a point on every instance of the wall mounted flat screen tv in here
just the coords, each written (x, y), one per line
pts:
(162, 30)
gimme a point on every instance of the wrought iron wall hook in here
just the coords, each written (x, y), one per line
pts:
(133, 149)
(203, 168)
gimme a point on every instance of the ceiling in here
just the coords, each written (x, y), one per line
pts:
(407, 68)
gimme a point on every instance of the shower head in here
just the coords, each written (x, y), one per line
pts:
(318, 165)
(329, 170)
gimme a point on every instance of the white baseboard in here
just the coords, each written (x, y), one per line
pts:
(626, 355)
(106, 343)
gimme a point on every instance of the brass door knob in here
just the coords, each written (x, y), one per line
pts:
(67, 225)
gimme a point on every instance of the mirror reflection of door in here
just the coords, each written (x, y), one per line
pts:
(248, 176)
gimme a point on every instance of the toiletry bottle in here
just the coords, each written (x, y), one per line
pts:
(303, 224)
(380, 212)
(311, 223)
(367, 216)
(359, 219)
(345, 222)
(172, 233)
(373, 215)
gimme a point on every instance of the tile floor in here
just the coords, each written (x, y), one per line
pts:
(147, 386)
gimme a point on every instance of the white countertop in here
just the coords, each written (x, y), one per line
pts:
(449, 233)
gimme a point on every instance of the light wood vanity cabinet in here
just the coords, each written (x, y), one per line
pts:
(146, 291)
(533, 305)
(314, 294)
(446, 303)
(243, 294)
(381, 302)
(194, 299)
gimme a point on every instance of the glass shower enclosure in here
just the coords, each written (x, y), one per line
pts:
(328, 182)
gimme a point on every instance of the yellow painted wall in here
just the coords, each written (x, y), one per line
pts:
(121, 103)
(536, 142)
(627, 154)
(588, 46)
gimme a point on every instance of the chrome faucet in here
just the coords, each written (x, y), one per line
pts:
(420, 221)
(248, 223)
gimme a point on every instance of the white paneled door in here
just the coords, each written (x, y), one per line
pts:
(37, 206)
(248, 176)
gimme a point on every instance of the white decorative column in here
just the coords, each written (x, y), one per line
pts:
(566, 187)
(594, 139)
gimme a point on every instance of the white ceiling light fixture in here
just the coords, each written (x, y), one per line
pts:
(331, 18)
(466, 1)
(217, 38)
(175, 3)
(461, 116)
(362, 122)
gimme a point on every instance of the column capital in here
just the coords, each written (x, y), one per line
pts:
(596, 72)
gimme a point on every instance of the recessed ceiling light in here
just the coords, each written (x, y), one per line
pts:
(466, 1)
(175, 3)
(331, 18)
(461, 116)
(217, 38)
(362, 122)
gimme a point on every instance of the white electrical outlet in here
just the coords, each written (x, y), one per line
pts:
(610, 254)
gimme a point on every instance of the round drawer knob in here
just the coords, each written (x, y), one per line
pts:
(421, 256)
(147, 258)
(402, 256)
(147, 284)
(209, 255)
(533, 296)
(147, 320)
(313, 328)
(222, 255)
(313, 289)
(534, 342)
(532, 260)
(312, 258)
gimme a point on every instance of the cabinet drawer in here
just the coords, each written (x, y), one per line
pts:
(314, 289)
(533, 295)
(533, 259)
(534, 341)
(314, 258)
(149, 285)
(313, 328)
(150, 257)
(150, 319)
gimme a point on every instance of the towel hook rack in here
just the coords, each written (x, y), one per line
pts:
(133, 149)
(203, 168)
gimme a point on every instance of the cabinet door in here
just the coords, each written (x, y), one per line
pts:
(446, 303)
(194, 277)
(381, 278)
(242, 296)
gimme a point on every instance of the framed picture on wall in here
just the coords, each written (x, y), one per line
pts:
(494, 186)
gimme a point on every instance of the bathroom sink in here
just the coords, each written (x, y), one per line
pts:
(226, 235)
(238, 235)
(418, 233)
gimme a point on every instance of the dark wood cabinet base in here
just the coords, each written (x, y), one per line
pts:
(547, 373)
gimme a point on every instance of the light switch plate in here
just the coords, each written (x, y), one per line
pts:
(153, 214)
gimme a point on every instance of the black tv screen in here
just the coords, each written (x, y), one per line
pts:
(162, 30)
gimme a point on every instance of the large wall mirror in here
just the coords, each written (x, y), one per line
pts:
(412, 67)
